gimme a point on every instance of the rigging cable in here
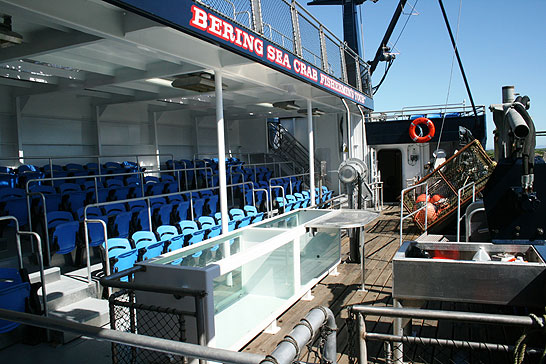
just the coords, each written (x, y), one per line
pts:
(388, 66)
(450, 78)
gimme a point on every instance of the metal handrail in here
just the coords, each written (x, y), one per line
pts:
(18, 233)
(283, 195)
(134, 340)
(402, 217)
(378, 202)
(411, 313)
(147, 199)
(460, 191)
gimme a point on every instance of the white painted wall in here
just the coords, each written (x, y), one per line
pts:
(409, 171)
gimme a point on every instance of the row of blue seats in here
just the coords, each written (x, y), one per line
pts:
(122, 219)
(124, 252)
(10, 177)
(302, 200)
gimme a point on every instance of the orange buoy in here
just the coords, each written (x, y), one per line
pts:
(425, 138)
(436, 198)
(431, 212)
(422, 198)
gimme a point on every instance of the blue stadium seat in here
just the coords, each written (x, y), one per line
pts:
(164, 214)
(119, 220)
(253, 213)
(121, 254)
(13, 202)
(304, 202)
(171, 238)
(181, 210)
(240, 218)
(52, 199)
(198, 204)
(72, 196)
(147, 244)
(62, 231)
(211, 204)
(208, 224)
(8, 180)
(13, 295)
(95, 231)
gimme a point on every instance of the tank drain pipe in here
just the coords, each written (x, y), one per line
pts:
(288, 350)
(348, 145)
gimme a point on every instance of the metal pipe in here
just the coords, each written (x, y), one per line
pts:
(364, 140)
(363, 352)
(460, 344)
(349, 153)
(485, 318)
(402, 217)
(17, 240)
(135, 340)
(287, 351)
(459, 218)
(310, 134)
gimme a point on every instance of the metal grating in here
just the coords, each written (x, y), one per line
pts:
(470, 164)
(310, 41)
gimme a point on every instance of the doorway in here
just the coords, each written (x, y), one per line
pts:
(389, 162)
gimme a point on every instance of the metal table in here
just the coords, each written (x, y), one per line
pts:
(347, 219)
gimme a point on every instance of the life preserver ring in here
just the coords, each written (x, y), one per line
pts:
(425, 138)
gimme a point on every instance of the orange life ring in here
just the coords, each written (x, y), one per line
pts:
(425, 138)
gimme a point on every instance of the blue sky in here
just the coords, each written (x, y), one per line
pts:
(500, 42)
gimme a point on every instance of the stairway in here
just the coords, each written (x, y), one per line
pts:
(71, 297)
(287, 147)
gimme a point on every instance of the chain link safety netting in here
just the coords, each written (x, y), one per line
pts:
(128, 316)
(333, 54)
(310, 41)
(277, 24)
(470, 165)
(239, 11)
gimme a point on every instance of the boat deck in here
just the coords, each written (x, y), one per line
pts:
(341, 291)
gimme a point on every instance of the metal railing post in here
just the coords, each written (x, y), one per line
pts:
(425, 207)
(460, 191)
(256, 7)
(295, 29)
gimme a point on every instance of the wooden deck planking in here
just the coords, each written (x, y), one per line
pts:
(338, 292)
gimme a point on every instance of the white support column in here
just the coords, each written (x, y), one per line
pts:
(311, 150)
(155, 118)
(221, 152)
(98, 112)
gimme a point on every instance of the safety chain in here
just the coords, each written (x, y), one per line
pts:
(352, 336)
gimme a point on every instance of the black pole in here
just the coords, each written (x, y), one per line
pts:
(387, 35)
(458, 58)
